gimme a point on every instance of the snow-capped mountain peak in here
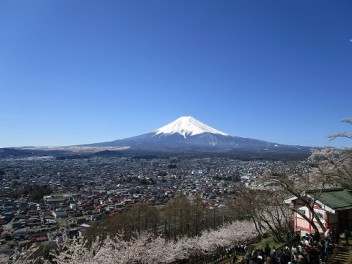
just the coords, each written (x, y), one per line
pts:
(187, 126)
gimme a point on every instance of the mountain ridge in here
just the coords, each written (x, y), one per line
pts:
(184, 136)
(187, 133)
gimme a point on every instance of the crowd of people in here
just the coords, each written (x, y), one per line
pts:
(308, 249)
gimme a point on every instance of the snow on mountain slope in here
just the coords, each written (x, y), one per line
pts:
(187, 126)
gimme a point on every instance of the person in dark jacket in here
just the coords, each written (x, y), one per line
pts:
(267, 250)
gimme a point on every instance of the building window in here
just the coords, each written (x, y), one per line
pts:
(301, 212)
(320, 215)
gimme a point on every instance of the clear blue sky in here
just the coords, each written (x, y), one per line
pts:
(74, 72)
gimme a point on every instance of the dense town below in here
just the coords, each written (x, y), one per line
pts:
(44, 198)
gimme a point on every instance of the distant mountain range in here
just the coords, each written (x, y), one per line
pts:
(184, 135)
(187, 133)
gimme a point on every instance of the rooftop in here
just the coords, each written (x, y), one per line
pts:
(336, 199)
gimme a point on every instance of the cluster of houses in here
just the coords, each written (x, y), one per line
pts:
(85, 189)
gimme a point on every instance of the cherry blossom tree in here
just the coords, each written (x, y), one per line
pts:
(147, 248)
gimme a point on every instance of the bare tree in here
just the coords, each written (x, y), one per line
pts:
(265, 208)
(342, 134)
(329, 167)
(332, 166)
(303, 195)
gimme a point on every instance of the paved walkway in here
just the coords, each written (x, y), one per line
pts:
(342, 254)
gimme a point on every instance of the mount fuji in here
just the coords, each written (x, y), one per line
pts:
(188, 134)
(185, 135)
(187, 126)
